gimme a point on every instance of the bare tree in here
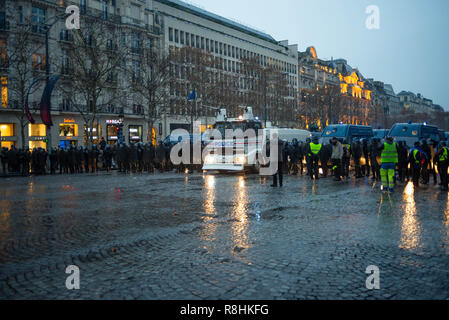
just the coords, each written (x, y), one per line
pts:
(266, 88)
(213, 83)
(91, 64)
(25, 63)
(321, 107)
(149, 77)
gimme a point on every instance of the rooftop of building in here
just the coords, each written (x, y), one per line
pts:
(218, 19)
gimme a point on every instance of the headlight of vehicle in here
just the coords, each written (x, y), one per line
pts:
(240, 160)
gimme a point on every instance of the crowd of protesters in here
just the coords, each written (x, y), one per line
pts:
(418, 163)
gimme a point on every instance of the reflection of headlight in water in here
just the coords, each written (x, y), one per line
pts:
(362, 161)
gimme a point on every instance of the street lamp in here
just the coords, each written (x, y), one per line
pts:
(48, 27)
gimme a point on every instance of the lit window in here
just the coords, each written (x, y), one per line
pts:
(37, 130)
(68, 130)
(4, 91)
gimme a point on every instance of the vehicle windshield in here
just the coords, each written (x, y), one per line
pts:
(241, 125)
(405, 130)
(380, 133)
(335, 131)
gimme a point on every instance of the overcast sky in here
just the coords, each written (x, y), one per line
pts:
(409, 51)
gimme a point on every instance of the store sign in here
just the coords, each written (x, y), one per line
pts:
(114, 121)
(113, 138)
(135, 138)
(8, 138)
(37, 138)
(69, 121)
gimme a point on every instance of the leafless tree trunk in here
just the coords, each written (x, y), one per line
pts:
(23, 67)
(92, 72)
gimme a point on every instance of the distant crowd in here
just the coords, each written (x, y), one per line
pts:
(124, 157)
(418, 163)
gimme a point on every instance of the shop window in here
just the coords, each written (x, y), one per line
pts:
(4, 91)
(8, 144)
(112, 132)
(37, 144)
(37, 130)
(153, 136)
(6, 130)
(68, 130)
(135, 133)
(96, 133)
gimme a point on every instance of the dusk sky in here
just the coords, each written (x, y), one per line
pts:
(409, 51)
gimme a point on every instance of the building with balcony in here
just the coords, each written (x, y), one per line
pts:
(230, 44)
(417, 103)
(134, 20)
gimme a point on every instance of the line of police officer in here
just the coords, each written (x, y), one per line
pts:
(385, 161)
(126, 158)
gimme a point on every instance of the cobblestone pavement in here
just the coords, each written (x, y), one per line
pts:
(219, 237)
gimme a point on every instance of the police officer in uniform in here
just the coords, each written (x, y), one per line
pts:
(280, 160)
(357, 155)
(314, 154)
(442, 158)
(374, 153)
(416, 158)
(346, 160)
(306, 153)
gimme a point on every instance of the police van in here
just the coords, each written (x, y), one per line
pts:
(381, 134)
(413, 132)
(348, 132)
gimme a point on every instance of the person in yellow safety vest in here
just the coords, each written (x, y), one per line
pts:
(389, 159)
(314, 156)
(442, 158)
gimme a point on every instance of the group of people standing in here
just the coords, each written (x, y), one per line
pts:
(126, 158)
(384, 161)
(387, 161)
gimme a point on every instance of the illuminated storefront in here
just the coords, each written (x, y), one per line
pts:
(68, 132)
(7, 137)
(112, 129)
(4, 91)
(135, 133)
(112, 133)
(37, 136)
(96, 133)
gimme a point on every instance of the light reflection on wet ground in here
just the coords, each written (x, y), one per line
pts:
(232, 218)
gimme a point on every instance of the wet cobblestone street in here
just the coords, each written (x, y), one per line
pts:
(169, 236)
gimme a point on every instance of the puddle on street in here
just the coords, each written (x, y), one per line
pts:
(410, 226)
